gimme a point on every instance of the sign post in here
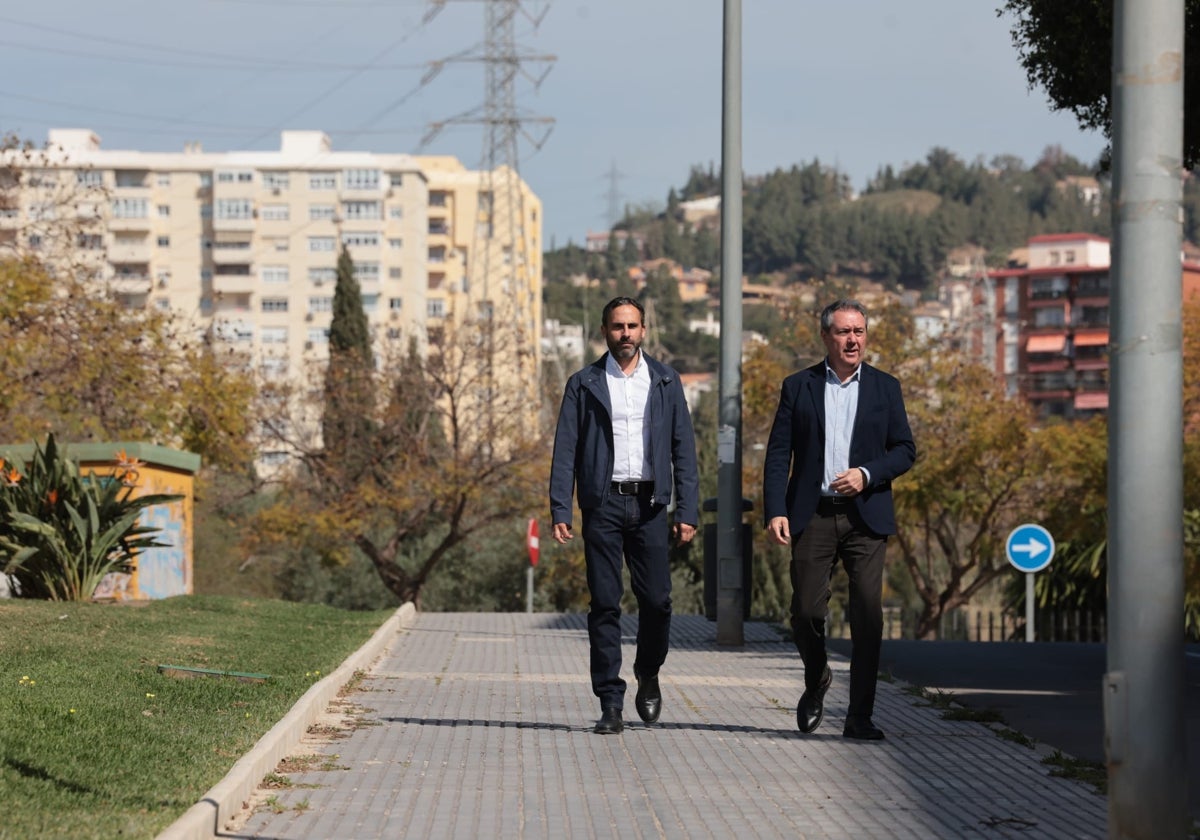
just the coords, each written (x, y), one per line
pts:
(531, 540)
(1030, 548)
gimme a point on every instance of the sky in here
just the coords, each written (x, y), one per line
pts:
(629, 91)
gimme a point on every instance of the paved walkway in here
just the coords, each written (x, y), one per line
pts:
(479, 725)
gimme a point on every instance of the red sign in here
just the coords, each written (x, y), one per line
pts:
(532, 541)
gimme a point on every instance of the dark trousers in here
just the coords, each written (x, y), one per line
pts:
(633, 529)
(827, 539)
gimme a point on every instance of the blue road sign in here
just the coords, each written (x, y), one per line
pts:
(1030, 547)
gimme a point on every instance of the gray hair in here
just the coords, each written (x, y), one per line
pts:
(837, 306)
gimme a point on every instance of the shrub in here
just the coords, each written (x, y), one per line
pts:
(61, 533)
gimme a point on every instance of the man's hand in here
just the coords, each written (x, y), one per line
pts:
(562, 533)
(683, 532)
(779, 530)
(849, 483)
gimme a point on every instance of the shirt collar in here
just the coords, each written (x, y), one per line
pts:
(614, 369)
(831, 374)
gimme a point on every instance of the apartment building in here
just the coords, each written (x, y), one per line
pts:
(244, 244)
(1049, 323)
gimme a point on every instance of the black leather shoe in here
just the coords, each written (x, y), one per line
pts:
(811, 707)
(610, 722)
(861, 729)
(648, 701)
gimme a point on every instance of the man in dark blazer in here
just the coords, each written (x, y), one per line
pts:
(625, 442)
(840, 437)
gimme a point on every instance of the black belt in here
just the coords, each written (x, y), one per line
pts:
(632, 488)
(833, 504)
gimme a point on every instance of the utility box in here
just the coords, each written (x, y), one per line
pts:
(163, 571)
(710, 561)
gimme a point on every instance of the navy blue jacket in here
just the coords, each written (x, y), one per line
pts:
(583, 443)
(794, 466)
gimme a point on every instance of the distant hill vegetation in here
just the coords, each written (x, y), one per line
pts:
(807, 221)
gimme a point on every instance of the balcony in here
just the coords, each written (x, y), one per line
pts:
(130, 283)
(228, 253)
(129, 223)
(234, 280)
(130, 251)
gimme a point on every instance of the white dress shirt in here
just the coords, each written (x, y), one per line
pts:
(630, 397)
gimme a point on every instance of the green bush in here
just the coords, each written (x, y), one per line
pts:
(61, 533)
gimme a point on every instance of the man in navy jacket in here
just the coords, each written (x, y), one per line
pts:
(625, 441)
(840, 437)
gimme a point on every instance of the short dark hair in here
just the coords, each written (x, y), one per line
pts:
(837, 306)
(622, 301)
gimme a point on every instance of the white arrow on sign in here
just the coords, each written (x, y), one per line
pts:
(1033, 548)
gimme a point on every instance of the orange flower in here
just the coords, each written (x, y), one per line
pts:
(52, 497)
(128, 462)
(12, 477)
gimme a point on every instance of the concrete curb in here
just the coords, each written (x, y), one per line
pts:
(204, 819)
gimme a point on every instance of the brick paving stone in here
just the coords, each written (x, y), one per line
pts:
(479, 725)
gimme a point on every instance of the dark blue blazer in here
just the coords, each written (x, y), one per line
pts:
(583, 443)
(881, 442)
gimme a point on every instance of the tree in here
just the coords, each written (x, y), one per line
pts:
(453, 452)
(1066, 48)
(347, 421)
(963, 495)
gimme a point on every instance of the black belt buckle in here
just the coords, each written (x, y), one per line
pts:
(628, 488)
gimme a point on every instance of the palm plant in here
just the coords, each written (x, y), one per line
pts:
(61, 533)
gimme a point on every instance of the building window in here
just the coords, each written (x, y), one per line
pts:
(1050, 317)
(234, 208)
(436, 308)
(361, 179)
(395, 272)
(241, 177)
(130, 177)
(129, 208)
(437, 254)
(164, 211)
(274, 273)
(274, 305)
(274, 335)
(163, 179)
(437, 198)
(322, 275)
(322, 243)
(317, 212)
(205, 211)
(366, 272)
(358, 239)
(164, 242)
(317, 335)
(205, 179)
(396, 212)
(89, 178)
(322, 181)
(396, 179)
(320, 303)
(395, 304)
(276, 180)
(370, 303)
(90, 241)
(395, 244)
(361, 209)
(275, 213)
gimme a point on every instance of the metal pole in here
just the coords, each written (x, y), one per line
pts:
(529, 590)
(1029, 635)
(1143, 688)
(729, 432)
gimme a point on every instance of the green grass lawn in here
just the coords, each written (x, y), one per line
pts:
(96, 743)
